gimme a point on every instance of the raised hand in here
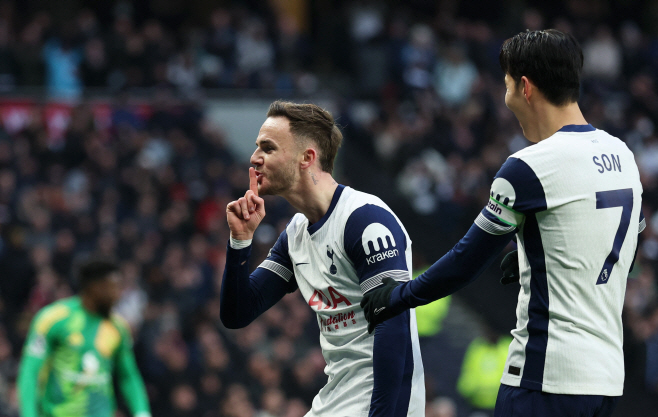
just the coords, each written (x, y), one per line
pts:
(245, 214)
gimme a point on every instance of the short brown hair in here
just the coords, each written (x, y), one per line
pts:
(308, 121)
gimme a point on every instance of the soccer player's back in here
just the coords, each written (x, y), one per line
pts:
(580, 192)
(573, 201)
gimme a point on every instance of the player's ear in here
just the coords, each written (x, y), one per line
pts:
(527, 88)
(309, 156)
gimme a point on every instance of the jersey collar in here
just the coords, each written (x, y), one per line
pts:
(578, 128)
(334, 200)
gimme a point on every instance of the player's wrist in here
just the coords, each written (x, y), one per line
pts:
(395, 301)
(240, 242)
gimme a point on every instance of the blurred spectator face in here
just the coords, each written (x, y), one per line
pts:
(184, 399)
(296, 408)
(107, 244)
(123, 25)
(40, 220)
(87, 22)
(47, 280)
(237, 402)
(273, 401)
(31, 35)
(153, 31)
(533, 20)
(276, 157)
(442, 407)
(40, 256)
(220, 19)
(7, 182)
(95, 53)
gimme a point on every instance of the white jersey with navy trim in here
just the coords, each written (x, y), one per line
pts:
(574, 199)
(333, 263)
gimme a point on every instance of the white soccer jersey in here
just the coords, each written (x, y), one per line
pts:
(334, 262)
(575, 198)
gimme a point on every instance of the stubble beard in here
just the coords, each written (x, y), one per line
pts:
(279, 181)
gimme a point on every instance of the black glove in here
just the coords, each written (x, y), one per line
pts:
(510, 268)
(376, 304)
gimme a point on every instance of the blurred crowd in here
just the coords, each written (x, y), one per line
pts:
(120, 48)
(419, 94)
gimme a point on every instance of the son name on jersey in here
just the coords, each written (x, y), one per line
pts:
(611, 163)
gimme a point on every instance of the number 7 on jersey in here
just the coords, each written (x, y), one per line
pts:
(608, 199)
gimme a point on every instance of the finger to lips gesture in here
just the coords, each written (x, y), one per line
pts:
(246, 213)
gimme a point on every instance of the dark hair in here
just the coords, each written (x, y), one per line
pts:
(95, 270)
(552, 60)
(310, 122)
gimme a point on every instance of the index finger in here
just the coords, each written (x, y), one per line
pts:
(253, 181)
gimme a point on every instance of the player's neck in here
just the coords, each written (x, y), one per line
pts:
(88, 303)
(548, 119)
(313, 194)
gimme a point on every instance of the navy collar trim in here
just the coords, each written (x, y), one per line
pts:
(334, 200)
(578, 128)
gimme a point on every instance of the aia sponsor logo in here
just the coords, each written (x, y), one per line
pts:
(320, 301)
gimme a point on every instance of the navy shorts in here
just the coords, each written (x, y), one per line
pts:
(521, 402)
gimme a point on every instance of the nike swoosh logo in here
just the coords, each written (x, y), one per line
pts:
(379, 310)
(302, 263)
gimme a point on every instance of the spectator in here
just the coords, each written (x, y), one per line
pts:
(62, 58)
(455, 76)
(94, 68)
(255, 55)
(482, 369)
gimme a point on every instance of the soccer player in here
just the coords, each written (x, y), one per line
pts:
(340, 246)
(573, 200)
(73, 349)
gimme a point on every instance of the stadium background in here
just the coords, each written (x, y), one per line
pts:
(126, 129)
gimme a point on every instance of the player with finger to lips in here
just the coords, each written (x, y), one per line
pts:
(342, 244)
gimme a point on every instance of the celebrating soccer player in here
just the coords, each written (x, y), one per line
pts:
(573, 200)
(74, 348)
(339, 247)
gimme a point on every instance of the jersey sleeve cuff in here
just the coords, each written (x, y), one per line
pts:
(376, 280)
(240, 244)
(277, 268)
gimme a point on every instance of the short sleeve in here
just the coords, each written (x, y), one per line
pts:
(278, 261)
(42, 333)
(515, 192)
(376, 244)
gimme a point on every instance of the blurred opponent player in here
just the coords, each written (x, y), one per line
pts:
(573, 200)
(74, 348)
(340, 246)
